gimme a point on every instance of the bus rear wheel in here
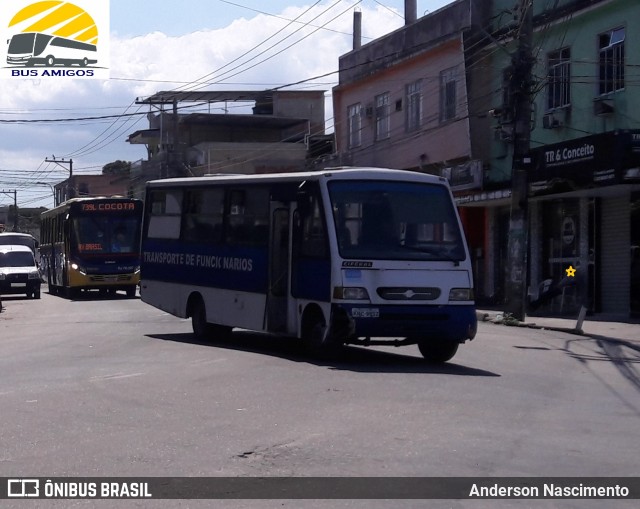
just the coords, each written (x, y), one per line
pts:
(51, 61)
(203, 329)
(437, 350)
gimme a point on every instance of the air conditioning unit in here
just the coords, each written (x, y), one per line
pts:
(603, 107)
(551, 121)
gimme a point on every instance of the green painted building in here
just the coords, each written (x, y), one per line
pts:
(584, 171)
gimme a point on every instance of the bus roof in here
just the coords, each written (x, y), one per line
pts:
(336, 173)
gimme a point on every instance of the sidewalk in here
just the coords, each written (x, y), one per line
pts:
(594, 326)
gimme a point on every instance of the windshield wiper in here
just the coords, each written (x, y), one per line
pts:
(433, 251)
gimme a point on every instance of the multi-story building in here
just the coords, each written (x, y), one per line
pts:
(91, 185)
(437, 95)
(271, 131)
(408, 100)
(584, 178)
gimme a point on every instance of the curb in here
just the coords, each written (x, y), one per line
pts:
(498, 320)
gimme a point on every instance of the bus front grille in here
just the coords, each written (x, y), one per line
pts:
(409, 293)
(115, 278)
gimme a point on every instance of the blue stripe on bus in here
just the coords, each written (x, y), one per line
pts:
(312, 279)
(228, 267)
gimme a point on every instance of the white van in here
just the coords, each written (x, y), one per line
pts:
(18, 271)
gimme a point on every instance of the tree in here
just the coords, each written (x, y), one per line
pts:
(117, 168)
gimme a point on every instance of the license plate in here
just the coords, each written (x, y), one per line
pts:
(365, 312)
(18, 285)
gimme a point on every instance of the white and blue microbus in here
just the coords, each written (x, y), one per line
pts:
(361, 256)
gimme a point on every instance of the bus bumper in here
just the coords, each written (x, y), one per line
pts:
(455, 323)
(96, 281)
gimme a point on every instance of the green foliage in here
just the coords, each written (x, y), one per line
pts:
(116, 168)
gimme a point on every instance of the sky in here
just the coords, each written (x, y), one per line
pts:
(163, 45)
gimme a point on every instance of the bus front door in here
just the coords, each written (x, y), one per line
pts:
(279, 263)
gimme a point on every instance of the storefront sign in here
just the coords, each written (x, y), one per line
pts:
(601, 159)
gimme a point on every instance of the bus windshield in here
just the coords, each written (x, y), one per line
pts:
(101, 234)
(28, 43)
(22, 43)
(395, 221)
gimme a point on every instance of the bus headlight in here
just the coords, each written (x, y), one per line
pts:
(350, 293)
(77, 267)
(461, 294)
(34, 275)
(2, 276)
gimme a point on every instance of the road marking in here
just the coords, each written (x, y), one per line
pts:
(115, 376)
(201, 362)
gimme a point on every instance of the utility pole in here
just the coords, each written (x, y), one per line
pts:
(60, 162)
(15, 207)
(521, 85)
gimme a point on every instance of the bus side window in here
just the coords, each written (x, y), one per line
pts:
(203, 213)
(164, 221)
(248, 214)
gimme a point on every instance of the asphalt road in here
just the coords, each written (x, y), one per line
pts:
(113, 387)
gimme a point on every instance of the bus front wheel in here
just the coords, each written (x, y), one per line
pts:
(51, 61)
(438, 350)
(318, 340)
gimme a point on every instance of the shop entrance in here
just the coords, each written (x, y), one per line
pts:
(569, 241)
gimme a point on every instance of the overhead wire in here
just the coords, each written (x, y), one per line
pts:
(306, 80)
(221, 78)
(198, 81)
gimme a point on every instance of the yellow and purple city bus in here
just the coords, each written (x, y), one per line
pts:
(91, 243)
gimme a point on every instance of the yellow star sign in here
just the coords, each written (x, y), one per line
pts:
(571, 272)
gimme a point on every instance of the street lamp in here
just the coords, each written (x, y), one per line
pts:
(53, 191)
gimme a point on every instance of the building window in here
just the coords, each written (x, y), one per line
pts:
(559, 79)
(448, 86)
(611, 61)
(414, 105)
(354, 114)
(383, 112)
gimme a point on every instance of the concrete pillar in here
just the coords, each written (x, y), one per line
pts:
(357, 30)
(410, 11)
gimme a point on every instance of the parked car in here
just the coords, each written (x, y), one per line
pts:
(18, 271)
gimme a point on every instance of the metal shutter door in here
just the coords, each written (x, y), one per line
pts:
(615, 267)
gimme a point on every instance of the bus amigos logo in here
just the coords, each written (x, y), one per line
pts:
(55, 38)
